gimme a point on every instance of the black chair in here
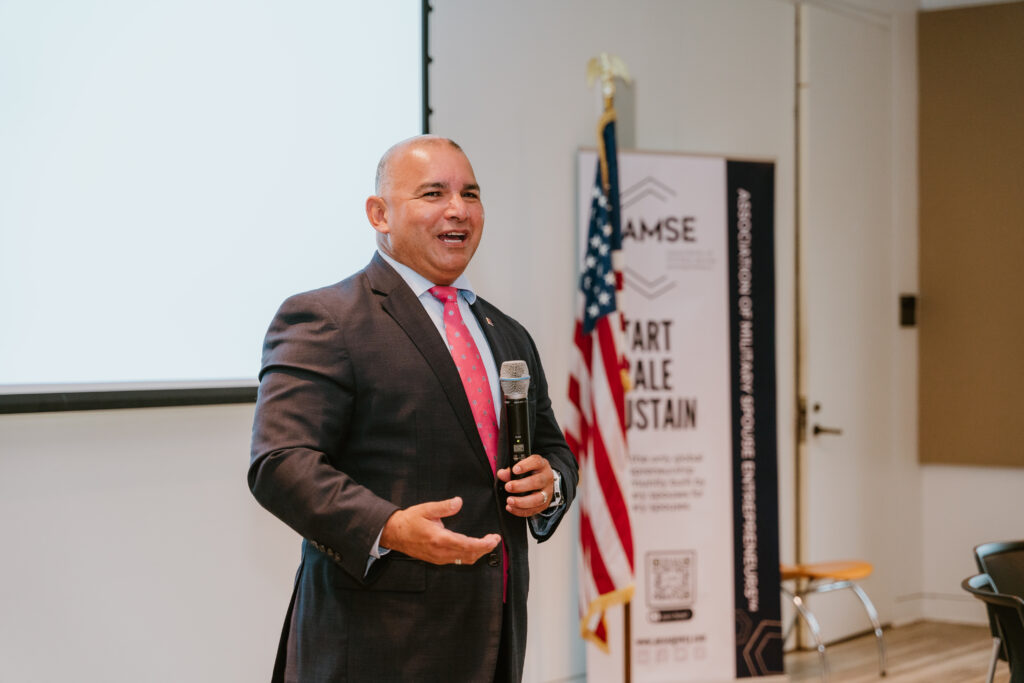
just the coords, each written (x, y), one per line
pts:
(1009, 617)
(1003, 561)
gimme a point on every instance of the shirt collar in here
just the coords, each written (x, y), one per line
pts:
(420, 285)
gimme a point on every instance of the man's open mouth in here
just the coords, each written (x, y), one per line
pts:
(452, 237)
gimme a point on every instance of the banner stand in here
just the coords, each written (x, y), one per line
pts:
(698, 301)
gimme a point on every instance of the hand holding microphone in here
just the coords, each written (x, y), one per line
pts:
(533, 487)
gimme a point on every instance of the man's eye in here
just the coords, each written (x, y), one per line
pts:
(432, 193)
(471, 195)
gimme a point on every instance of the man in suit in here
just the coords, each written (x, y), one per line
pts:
(382, 450)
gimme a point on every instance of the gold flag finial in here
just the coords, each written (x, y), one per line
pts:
(607, 67)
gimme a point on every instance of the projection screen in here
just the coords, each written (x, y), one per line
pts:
(171, 171)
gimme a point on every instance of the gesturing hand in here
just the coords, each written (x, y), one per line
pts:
(418, 532)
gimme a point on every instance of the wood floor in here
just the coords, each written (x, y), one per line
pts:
(922, 652)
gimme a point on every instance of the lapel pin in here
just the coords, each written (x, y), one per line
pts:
(489, 321)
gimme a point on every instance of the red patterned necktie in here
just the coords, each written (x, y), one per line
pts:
(471, 370)
(478, 388)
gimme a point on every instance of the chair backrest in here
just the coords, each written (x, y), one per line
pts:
(1009, 615)
(1003, 561)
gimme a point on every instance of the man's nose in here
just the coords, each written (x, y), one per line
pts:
(457, 209)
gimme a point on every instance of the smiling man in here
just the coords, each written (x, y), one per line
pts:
(427, 212)
(377, 437)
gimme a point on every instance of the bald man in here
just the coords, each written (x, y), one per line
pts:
(378, 438)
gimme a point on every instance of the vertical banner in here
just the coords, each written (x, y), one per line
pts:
(698, 256)
(751, 200)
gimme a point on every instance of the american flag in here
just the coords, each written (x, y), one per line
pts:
(596, 428)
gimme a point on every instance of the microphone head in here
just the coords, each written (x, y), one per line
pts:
(514, 378)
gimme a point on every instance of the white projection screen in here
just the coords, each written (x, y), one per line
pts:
(171, 171)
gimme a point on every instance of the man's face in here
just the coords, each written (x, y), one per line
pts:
(429, 213)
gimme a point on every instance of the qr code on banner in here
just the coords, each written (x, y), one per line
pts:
(671, 579)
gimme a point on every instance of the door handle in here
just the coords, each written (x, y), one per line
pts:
(818, 429)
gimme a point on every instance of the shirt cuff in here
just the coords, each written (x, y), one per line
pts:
(376, 552)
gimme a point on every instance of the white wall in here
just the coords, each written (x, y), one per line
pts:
(962, 507)
(508, 82)
(133, 551)
(131, 547)
(902, 483)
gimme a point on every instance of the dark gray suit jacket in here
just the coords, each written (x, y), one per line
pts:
(361, 412)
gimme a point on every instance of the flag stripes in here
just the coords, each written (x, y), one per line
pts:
(596, 427)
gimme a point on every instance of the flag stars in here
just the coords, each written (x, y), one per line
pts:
(598, 280)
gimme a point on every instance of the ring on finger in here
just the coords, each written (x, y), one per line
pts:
(458, 560)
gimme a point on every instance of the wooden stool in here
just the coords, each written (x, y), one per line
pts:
(822, 577)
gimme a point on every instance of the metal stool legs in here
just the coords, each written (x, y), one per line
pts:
(826, 586)
(873, 616)
(812, 624)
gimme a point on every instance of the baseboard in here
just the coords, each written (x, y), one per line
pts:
(906, 609)
(950, 607)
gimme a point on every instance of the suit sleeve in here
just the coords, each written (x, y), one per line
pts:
(549, 441)
(302, 420)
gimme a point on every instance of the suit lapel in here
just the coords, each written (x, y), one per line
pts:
(501, 349)
(398, 301)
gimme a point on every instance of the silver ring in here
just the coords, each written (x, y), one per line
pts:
(545, 494)
(458, 560)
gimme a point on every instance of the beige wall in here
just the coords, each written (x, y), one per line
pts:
(972, 235)
(971, 320)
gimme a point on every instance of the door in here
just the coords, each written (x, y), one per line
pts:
(848, 314)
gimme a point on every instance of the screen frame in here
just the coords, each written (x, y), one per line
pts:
(123, 396)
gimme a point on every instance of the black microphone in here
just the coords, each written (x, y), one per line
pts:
(515, 381)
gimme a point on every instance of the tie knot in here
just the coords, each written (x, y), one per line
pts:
(444, 293)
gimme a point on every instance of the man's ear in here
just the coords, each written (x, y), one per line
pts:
(377, 213)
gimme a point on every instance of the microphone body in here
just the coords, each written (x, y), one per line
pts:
(515, 383)
(518, 416)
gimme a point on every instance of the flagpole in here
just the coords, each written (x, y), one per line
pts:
(607, 68)
(627, 638)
